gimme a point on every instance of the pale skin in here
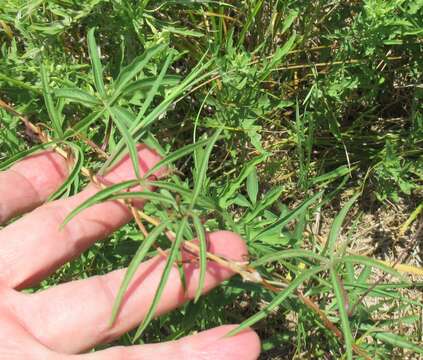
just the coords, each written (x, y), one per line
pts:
(66, 321)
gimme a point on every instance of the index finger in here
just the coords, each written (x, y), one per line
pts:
(28, 183)
(39, 232)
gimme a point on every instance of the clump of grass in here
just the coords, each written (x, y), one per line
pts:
(287, 122)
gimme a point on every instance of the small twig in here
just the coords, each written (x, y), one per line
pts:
(93, 146)
(138, 220)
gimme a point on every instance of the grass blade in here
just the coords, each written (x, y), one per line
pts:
(74, 173)
(252, 186)
(332, 175)
(364, 260)
(250, 20)
(97, 68)
(140, 128)
(133, 266)
(174, 250)
(201, 236)
(147, 84)
(277, 300)
(345, 323)
(364, 275)
(290, 18)
(187, 193)
(53, 112)
(268, 199)
(133, 69)
(100, 196)
(398, 341)
(230, 189)
(201, 172)
(286, 254)
(278, 56)
(77, 95)
(144, 195)
(85, 122)
(153, 91)
(120, 118)
(175, 156)
(291, 216)
(336, 226)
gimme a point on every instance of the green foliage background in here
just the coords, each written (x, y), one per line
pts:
(295, 108)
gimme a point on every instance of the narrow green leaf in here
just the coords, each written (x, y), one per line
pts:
(151, 141)
(399, 341)
(345, 323)
(278, 56)
(252, 186)
(201, 172)
(142, 127)
(97, 68)
(233, 186)
(77, 95)
(177, 154)
(286, 254)
(242, 201)
(84, 123)
(102, 195)
(51, 108)
(120, 119)
(364, 260)
(20, 84)
(133, 266)
(290, 18)
(335, 229)
(277, 300)
(350, 273)
(24, 153)
(78, 156)
(126, 115)
(133, 69)
(183, 31)
(187, 193)
(385, 294)
(144, 195)
(147, 83)
(174, 250)
(332, 175)
(201, 236)
(269, 198)
(364, 275)
(254, 9)
(183, 191)
(153, 91)
(292, 215)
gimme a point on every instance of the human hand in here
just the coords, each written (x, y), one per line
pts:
(66, 320)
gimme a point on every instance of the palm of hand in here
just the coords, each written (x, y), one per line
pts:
(64, 321)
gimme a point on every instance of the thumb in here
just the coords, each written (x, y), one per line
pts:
(207, 345)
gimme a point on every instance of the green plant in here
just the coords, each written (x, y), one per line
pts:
(280, 120)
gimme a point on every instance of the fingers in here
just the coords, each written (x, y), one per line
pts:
(28, 183)
(74, 317)
(207, 345)
(34, 246)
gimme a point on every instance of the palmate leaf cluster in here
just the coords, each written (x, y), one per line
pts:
(233, 96)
